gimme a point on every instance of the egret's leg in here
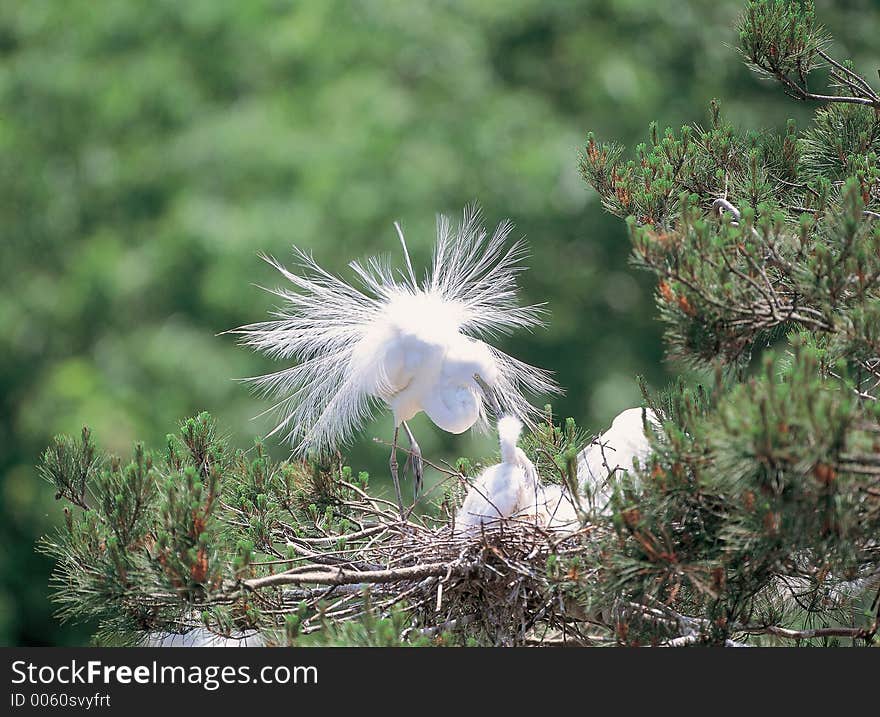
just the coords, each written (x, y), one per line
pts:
(415, 457)
(394, 477)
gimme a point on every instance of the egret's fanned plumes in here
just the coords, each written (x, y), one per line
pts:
(415, 346)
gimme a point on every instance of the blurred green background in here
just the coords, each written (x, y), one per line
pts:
(150, 150)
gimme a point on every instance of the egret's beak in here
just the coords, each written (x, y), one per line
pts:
(488, 395)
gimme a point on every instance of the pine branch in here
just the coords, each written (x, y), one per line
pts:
(782, 40)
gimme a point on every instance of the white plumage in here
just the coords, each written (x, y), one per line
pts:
(414, 346)
(612, 452)
(512, 489)
(202, 637)
(557, 510)
(504, 490)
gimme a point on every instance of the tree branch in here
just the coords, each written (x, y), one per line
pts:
(349, 577)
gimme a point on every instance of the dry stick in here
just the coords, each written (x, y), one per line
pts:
(369, 498)
(853, 632)
(691, 624)
(348, 536)
(436, 629)
(329, 558)
(349, 577)
(691, 639)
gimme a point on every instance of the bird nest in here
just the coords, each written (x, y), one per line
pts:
(510, 584)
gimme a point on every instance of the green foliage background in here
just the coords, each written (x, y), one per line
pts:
(149, 150)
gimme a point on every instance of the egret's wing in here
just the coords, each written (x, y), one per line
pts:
(321, 324)
(515, 379)
(392, 358)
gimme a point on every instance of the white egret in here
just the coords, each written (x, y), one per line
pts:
(414, 346)
(502, 490)
(614, 451)
(557, 510)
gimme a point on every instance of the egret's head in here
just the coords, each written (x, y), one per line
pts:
(453, 407)
(456, 401)
(466, 358)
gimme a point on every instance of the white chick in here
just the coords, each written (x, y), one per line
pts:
(504, 490)
(557, 509)
(612, 452)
